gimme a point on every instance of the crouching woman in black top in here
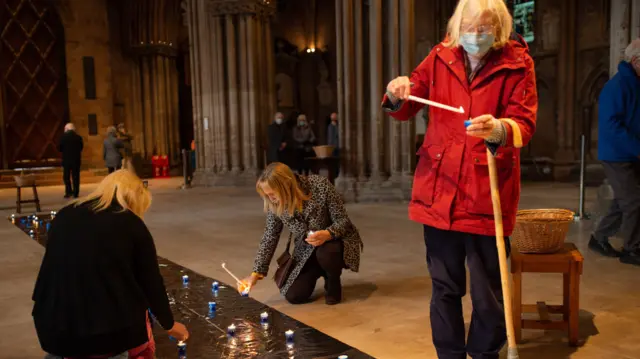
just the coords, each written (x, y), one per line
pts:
(100, 274)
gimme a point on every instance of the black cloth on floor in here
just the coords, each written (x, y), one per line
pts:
(98, 277)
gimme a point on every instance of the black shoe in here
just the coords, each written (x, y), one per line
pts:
(628, 257)
(332, 291)
(603, 247)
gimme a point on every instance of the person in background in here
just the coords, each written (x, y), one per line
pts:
(111, 148)
(619, 151)
(71, 145)
(277, 137)
(127, 143)
(484, 66)
(304, 204)
(304, 140)
(100, 276)
(333, 138)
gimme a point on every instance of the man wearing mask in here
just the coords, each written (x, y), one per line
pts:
(277, 137)
(333, 137)
(71, 145)
(619, 151)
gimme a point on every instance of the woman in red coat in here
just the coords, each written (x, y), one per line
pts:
(485, 68)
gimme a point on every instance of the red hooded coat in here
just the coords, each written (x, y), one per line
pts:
(451, 184)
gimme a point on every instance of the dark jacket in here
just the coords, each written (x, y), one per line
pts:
(98, 277)
(71, 145)
(325, 210)
(111, 151)
(277, 134)
(619, 117)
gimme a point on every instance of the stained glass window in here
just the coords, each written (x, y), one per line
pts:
(523, 18)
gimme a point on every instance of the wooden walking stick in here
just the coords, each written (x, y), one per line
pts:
(502, 256)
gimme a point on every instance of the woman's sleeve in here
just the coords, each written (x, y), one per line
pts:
(522, 108)
(341, 224)
(147, 273)
(268, 244)
(404, 110)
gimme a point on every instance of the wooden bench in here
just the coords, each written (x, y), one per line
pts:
(567, 261)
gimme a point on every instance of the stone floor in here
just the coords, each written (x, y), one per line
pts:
(386, 312)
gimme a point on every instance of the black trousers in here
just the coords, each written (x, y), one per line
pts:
(71, 173)
(326, 261)
(446, 254)
(624, 213)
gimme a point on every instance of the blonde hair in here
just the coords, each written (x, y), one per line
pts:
(473, 9)
(283, 182)
(125, 188)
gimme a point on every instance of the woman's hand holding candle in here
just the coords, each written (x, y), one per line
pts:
(179, 331)
(246, 284)
(318, 238)
(482, 126)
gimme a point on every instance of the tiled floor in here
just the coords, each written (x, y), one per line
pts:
(386, 313)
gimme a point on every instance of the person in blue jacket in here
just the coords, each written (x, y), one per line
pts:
(619, 151)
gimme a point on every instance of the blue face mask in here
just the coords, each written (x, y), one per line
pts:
(477, 44)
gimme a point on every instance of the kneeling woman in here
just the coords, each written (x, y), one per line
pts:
(306, 204)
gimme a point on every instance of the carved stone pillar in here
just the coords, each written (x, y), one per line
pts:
(153, 33)
(393, 127)
(239, 66)
(408, 128)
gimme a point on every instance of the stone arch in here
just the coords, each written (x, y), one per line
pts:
(588, 116)
(544, 141)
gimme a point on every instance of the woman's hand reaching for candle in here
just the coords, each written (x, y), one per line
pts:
(248, 283)
(318, 238)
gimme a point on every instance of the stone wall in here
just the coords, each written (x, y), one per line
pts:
(87, 34)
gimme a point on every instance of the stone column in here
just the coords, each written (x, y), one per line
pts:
(340, 83)
(566, 85)
(377, 88)
(153, 39)
(625, 26)
(193, 17)
(232, 88)
(240, 67)
(408, 128)
(360, 94)
(393, 34)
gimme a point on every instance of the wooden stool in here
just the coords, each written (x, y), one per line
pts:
(567, 261)
(20, 201)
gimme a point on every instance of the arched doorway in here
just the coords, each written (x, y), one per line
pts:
(33, 83)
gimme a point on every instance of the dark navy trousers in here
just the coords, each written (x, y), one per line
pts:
(446, 255)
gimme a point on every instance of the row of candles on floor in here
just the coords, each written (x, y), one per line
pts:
(231, 329)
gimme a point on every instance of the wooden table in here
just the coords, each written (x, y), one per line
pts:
(567, 261)
(329, 163)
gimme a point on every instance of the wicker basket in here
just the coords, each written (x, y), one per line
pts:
(323, 151)
(541, 230)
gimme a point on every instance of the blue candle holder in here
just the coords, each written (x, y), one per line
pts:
(215, 286)
(185, 279)
(264, 318)
(212, 306)
(182, 350)
(467, 123)
(289, 336)
(231, 330)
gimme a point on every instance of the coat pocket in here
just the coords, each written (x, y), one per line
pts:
(426, 175)
(479, 186)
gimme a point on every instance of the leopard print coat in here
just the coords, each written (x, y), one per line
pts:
(325, 210)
